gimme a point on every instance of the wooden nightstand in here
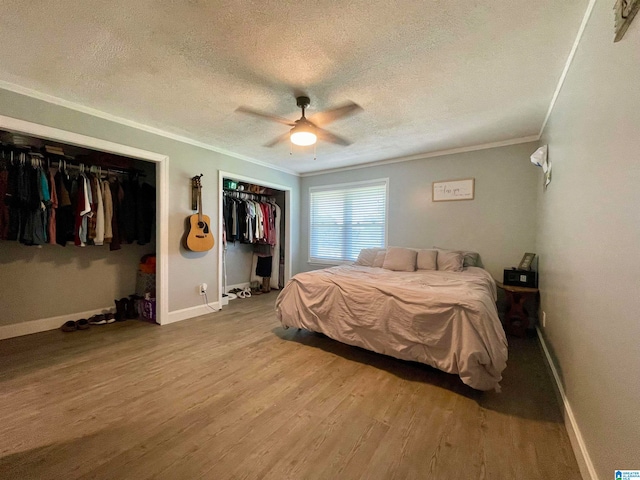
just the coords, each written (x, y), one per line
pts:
(516, 320)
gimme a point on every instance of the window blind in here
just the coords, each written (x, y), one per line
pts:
(345, 219)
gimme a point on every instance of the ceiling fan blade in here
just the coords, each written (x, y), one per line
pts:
(329, 116)
(282, 138)
(330, 137)
(268, 116)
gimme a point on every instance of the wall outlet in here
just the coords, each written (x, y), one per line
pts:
(202, 289)
(544, 319)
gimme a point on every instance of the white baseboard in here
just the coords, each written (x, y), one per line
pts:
(577, 442)
(191, 312)
(44, 324)
(52, 323)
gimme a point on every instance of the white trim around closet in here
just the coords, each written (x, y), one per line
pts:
(287, 222)
(162, 191)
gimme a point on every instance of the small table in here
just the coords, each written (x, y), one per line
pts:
(516, 320)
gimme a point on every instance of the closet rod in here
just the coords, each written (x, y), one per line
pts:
(76, 165)
(72, 162)
(253, 196)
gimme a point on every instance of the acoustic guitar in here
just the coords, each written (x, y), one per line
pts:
(200, 238)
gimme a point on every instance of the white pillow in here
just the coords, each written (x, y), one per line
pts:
(427, 260)
(379, 260)
(367, 256)
(450, 261)
(400, 259)
(471, 259)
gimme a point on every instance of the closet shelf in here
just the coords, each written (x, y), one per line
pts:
(228, 191)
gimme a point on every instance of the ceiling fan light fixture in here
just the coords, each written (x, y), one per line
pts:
(303, 135)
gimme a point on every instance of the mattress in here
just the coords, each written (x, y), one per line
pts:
(444, 319)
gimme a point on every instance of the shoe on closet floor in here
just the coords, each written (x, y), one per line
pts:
(109, 317)
(69, 326)
(131, 311)
(98, 319)
(82, 324)
(121, 309)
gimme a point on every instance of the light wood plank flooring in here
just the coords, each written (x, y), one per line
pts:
(232, 395)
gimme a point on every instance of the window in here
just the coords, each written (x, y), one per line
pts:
(345, 219)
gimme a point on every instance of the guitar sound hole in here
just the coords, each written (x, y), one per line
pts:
(203, 226)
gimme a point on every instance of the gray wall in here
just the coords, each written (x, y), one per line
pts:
(52, 280)
(588, 237)
(499, 224)
(186, 269)
(239, 261)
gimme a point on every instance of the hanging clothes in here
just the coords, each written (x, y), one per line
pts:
(99, 214)
(64, 213)
(33, 210)
(259, 269)
(41, 205)
(53, 207)
(129, 232)
(92, 220)
(264, 266)
(116, 197)
(146, 213)
(4, 208)
(275, 269)
(247, 220)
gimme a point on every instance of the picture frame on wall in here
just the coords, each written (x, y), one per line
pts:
(453, 190)
(625, 12)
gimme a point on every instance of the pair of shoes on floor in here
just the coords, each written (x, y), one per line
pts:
(126, 308)
(102, 319)
(244, 293)
(72, 326)
(241, 292)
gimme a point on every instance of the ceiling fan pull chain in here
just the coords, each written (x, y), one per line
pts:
(315, 145)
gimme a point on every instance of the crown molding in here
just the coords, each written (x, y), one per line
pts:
(567, 65)
(421, 156)
(61, 102)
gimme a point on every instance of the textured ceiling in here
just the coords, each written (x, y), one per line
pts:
(431, 75)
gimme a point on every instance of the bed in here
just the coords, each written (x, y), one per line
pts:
(446, 319)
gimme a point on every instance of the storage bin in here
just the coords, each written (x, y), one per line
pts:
(149, 308)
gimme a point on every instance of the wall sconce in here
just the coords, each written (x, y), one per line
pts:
(540, 159)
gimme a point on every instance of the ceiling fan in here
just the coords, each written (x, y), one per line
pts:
(306, 131)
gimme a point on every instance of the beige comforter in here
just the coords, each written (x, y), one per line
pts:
(445, 319)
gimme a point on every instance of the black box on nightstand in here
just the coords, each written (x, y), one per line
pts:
(521, 278)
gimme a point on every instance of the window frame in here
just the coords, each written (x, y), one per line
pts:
(339, 186)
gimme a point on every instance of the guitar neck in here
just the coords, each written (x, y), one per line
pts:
(199, 203)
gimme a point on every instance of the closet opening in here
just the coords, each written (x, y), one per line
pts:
(69, 257)
(254, 253)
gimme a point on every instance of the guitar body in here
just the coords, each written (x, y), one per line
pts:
(200, 238)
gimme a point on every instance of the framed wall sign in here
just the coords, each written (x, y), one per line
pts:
(625, 10)
(452, 190)
(526, 262)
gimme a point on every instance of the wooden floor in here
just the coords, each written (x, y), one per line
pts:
(232, 395)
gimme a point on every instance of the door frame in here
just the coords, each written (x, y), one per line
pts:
(287, 222)
(162, 190)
